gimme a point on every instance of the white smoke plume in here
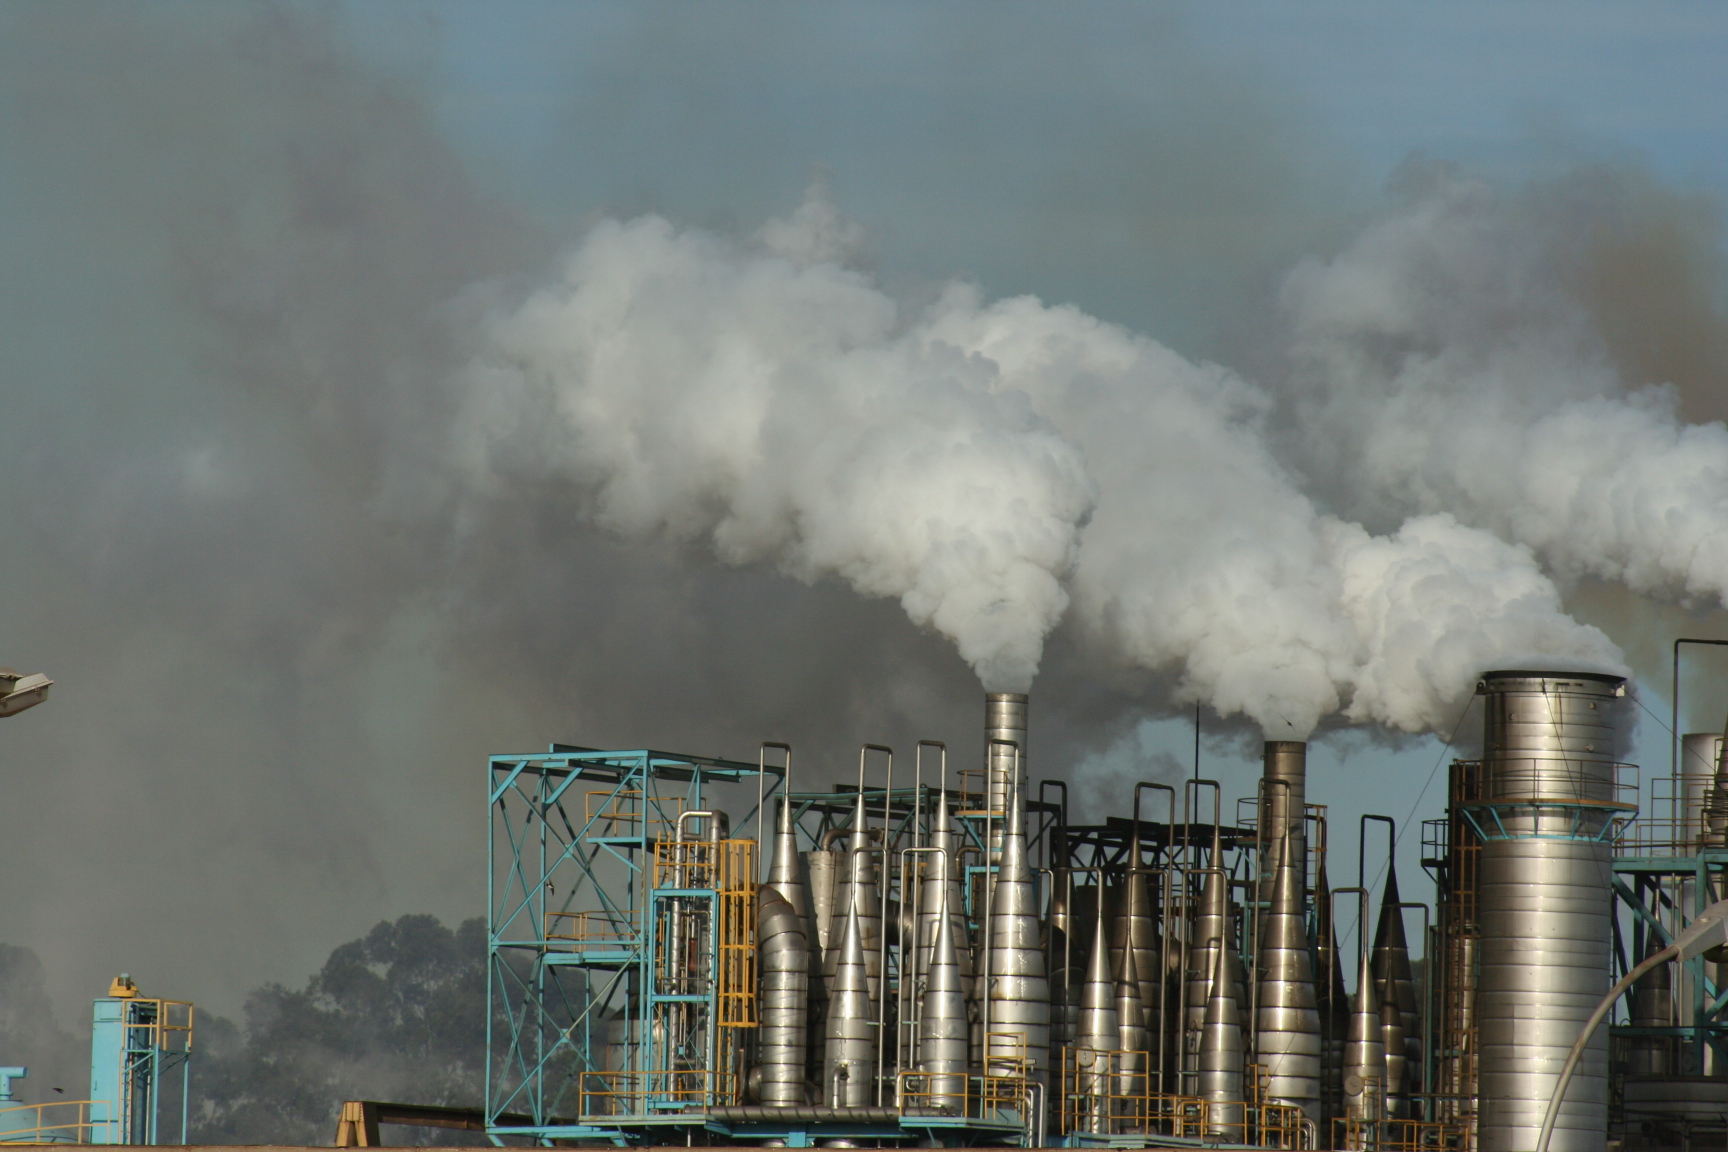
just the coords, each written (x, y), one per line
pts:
(1445, 361)
(980, 462)
(765, 399)
(1205, 558)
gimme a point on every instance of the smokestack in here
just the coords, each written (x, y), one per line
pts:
(1005, 716)
(1284, 800)
(1549, 747)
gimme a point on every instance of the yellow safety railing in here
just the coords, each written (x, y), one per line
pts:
(1399, 1135)
(592, 929)
(626, 813)
(1109, 1092)
(56, 1122)
(629, 1093)
(930, 1093)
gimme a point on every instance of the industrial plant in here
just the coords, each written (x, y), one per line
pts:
(691, 950)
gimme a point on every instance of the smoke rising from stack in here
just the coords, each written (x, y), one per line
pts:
(984, 463)
(1451, 360)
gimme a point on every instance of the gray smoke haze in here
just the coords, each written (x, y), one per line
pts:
(238, 286)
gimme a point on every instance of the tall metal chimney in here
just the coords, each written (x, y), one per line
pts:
(1549, 748)
(1005, 716)
(1283, 807)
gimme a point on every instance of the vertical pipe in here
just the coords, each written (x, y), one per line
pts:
(1005, 717)
(1284, 798)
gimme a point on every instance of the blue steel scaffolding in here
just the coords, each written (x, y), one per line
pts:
(622, 943)
(621, 930)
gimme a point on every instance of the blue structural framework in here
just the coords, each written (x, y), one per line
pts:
(621, 935)
(138, 1048)
(1655, 891)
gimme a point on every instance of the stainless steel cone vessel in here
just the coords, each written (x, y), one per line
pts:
(941, 890)
(1211, 924)
(1098, 1032)
(943, 1032)
(1019, 1006)
(783, 963)
(1220, 1079)
(857, 888)
(849, 1055)
(1287, 1016)
(1132, 1035)
(1137, 927)
(786, 875)
(1334, 1002)
(1364, 1051)
(1400, 1019)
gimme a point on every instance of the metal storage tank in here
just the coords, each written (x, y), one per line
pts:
(1550, 746)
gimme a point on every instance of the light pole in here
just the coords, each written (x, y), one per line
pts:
(18, 691)
(1709, 930)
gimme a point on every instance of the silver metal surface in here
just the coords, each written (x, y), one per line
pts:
(939, 890)
(1365, 1051)
(1284, 796)
(1211, 924)
(1137, 927)
(1019, 990)
(1286, 1015)
(1133, 1037)
(1334, 1003)
(822, 870)
(1544, 904)
(1545, 951)
(943, 1030)
(1005, 716)
(1400, 1015)
(1098, 1032)
(783, 963)
(856, 886)
(849, 1055)
(1220, 1061)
